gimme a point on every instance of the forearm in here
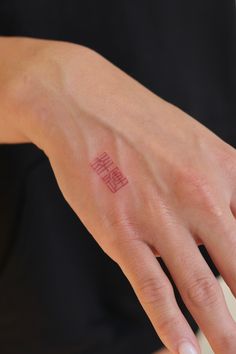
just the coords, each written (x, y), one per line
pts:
(32, 74)
(43, 82)
(30, 79)
(11, 58)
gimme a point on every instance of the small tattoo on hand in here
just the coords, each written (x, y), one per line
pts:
(109, 172)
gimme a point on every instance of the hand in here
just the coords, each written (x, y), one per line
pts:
(173, 187)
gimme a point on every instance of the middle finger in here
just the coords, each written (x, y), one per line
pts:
(199, 289)
(219, 238)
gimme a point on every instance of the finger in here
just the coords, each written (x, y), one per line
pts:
(156, 295)
(233, 205)
(199, 289)
(219, 238)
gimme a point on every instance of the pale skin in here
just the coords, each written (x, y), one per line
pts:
(74, 104)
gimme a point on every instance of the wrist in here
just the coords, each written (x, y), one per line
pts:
(31, 81)
(14, 61)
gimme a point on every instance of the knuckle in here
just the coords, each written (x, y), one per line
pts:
(226, 342)
(124, 225)
(123, 231)
(226, 157)
(190, 176)
(200, 189)
(190, 181)
(153, 292)
(197, 188)
(229, 163)
(167, 323)
(203, 292)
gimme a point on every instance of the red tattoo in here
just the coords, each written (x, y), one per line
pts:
(111, 175)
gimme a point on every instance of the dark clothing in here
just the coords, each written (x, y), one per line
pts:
(59, 292)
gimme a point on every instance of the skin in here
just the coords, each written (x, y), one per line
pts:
(74, 104)
(162, 351)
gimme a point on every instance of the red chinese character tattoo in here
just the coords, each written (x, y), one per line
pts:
(110, 174)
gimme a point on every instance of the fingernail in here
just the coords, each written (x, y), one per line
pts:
(187, 348)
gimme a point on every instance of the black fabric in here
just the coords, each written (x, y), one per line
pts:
(59, 292)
